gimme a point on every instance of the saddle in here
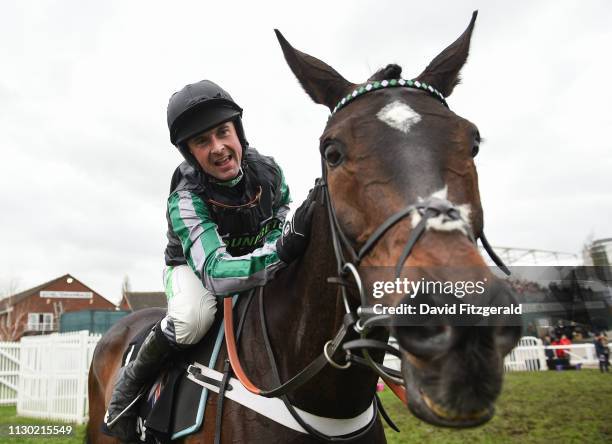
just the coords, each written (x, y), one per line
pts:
(174, 406)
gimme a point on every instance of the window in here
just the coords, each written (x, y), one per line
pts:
(40, 321)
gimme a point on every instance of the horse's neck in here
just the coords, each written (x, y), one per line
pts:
(303, 312)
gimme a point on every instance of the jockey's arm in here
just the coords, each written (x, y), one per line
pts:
(206, 253)
(280, 210)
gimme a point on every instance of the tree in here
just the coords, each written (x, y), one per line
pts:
(9, 287)
(125, 286)
(12, 322)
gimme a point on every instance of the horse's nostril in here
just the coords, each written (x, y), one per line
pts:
(426, 342)
(453, 214)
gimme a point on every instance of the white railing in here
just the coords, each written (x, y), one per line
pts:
(53, 376)
(9, 372)
(529, 355)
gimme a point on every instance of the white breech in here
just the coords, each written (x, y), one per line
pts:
(191, 307)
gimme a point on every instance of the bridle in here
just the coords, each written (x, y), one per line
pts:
(361, 320)
(349, 268)
(431, 207)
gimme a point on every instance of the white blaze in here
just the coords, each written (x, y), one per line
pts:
(398, 115)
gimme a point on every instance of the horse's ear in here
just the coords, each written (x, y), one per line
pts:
(322, 82)
(443, 71)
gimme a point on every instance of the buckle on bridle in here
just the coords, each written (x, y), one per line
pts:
(333, 363)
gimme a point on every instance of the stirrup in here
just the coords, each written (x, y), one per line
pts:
(129, 406)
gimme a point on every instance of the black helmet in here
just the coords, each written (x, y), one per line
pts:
(199, 107)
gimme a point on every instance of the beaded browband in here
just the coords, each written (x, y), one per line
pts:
(393, 83)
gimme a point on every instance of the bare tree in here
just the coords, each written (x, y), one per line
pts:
(126, 287)
(14, 322)
(9, 287)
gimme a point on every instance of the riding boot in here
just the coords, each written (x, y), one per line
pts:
(153, 353)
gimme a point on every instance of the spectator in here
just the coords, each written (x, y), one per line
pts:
(603, 352)
(564, 351)
(559, 329)
(558, 351)
(549, 352)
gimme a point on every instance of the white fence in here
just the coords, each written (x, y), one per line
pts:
(529, 355)
(53, 376)
(9, 372)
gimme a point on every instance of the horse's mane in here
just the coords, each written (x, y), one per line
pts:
(392, 71)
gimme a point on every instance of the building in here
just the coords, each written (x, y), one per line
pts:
(38, 310)
(99, 321)
(94, 321)
(598, 253)
(137, 300)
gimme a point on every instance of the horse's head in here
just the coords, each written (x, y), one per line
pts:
(387, 147)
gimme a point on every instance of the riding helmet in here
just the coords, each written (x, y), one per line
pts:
(199, 107)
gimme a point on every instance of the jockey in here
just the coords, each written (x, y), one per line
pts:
(225, 214)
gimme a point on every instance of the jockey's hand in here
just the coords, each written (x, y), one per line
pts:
(296, 232)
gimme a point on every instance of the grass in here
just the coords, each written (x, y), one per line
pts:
(8, 416)
(536, 407)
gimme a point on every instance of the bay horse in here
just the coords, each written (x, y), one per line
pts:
(400, 190)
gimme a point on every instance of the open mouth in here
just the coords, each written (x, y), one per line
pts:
(452, 416)
(223, 161)
(426, 408)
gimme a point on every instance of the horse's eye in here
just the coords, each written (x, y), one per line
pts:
(475, 147)
(333, 154)
(476, 143)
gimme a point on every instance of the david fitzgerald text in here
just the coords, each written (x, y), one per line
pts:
(448, 310)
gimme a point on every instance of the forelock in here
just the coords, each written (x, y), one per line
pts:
(389, 72)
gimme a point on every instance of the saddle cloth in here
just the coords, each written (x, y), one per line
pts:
(174, 406)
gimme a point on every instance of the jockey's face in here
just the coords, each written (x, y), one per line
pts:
(218, 151)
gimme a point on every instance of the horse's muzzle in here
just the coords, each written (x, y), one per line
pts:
(452, 370)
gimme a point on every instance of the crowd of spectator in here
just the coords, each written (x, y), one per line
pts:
(558, 358)
(523, 286)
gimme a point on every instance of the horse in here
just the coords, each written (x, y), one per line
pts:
(399, 190)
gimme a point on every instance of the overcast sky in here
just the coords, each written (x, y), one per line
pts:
(86, 162)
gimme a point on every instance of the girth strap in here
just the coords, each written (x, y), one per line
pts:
(224, 386)
(274, 408)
